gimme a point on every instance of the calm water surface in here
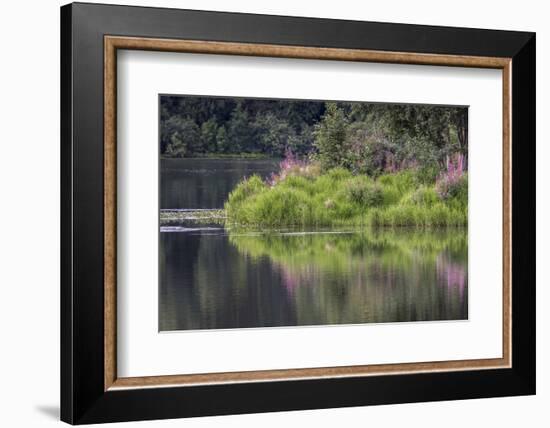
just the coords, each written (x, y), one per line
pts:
(213, 277)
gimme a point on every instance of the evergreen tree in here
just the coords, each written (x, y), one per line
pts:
(239, 130)
(183, 137)
(221, 140)
(330, 137)
(209, 132)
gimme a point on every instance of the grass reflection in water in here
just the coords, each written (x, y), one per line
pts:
(379, 275)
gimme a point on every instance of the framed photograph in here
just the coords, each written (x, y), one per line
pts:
(266, 213)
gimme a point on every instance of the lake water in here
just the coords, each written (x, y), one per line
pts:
(213, 277)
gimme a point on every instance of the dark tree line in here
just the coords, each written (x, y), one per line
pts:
(365, 137)
(192, 126)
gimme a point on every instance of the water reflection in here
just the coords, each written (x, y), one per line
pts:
(237, 279)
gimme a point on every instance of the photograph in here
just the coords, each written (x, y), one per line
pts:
(262, 211)
(287, 213)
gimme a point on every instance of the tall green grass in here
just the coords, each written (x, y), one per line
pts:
(338, 197)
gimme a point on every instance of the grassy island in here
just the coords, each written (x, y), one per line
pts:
(303, 196)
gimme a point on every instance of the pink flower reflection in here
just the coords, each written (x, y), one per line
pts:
(450, 274)
(290, 281)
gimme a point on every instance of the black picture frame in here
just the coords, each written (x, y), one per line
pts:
(83, 398)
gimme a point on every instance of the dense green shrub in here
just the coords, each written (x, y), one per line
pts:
(459, 190)
(340, 198)
(363, 192)
(280, 206)
(242, 193)
(427, 174)
(424, 196)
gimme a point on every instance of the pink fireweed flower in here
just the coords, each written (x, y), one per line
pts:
(290, 164)
(450, 177)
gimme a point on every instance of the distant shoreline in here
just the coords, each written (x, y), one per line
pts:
(249, 156)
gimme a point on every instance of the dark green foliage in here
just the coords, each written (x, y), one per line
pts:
(364, 138)
(235, 126)
(222, 143)
(408, 135)
(183, 137)
(330, 138)
(427, 174)
(273, 134)
(240, 133)
(209, 134)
